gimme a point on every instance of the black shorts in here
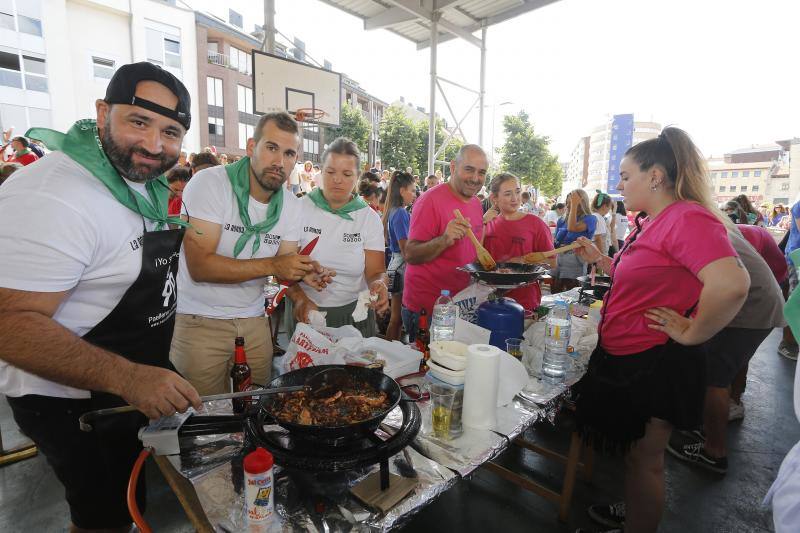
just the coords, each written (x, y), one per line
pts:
(94, 467)
(620, 394)
(728, 351)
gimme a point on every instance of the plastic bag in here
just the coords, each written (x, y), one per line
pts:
(469, 299)
(312, 346)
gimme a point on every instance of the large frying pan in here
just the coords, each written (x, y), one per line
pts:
(358, 374)
(521, 273)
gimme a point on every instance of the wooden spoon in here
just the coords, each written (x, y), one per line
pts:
(484, 257)
(541, 257)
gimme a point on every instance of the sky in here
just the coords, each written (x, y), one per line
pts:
(728, 72)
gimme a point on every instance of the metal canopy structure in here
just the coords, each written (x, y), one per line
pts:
(428, 23)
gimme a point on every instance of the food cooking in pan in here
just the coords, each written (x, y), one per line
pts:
(347, 406)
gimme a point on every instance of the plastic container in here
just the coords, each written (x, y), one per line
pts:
(449, 354)
(443, 323)
(259, 497)
(456, 428)
(453, 377)
(556, 341)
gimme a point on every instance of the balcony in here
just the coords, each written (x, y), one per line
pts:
(215, 58)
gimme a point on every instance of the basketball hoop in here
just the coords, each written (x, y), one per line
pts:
(309, 114)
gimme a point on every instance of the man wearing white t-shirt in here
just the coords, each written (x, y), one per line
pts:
(87, 304)
(248, 227)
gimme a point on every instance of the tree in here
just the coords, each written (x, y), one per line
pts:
(399, 139)
(447, 155)
(527, 155)
(353, 125)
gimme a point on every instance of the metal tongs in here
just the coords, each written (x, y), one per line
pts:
(86, 418)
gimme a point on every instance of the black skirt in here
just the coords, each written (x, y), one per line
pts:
(619, 394)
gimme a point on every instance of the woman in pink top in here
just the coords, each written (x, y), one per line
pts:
(510, 233)
(647, 375)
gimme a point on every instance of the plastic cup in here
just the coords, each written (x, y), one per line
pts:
(514, 347)
(442, 398)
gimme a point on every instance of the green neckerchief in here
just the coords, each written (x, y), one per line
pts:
(354, 204)
(82, 144)
(20, 153)
(239, 174)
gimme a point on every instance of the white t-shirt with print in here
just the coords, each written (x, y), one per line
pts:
(551, 217)
(602, 230)
(209, 196)
(622, 226)
(341, 247)
(62, 230)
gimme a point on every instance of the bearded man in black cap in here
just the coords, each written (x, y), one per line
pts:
(87, 289)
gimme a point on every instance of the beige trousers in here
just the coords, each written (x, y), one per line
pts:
(202, 350)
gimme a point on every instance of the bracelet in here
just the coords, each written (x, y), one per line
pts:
(382, 282)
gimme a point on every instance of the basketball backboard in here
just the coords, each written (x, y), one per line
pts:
(281, 84)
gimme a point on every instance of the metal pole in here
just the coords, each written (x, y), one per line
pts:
(494, 110)
(483, 83)
(269, 27)
(432, 103)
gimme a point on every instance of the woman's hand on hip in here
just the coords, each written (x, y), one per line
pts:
(675, 325)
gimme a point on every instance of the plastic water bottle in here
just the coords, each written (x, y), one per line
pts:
(443, 325)
(556, 340)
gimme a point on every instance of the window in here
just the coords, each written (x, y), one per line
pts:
(757, 173)
(733, 188)
(164, 48)
(783, 201)
(784, 186)
(735, 174)
(245, 99)
(722, 188)
(216, 131)
(746, 174)
(7, 21)
(10, 71)
(29, 25)
(724, 175)
(35, 73)
(214, 88)
(310, 147)
(240, 60)
(713, 175)
(755, 188)
(103, 68)
(744, 188)
(246, 132)
(172, 52)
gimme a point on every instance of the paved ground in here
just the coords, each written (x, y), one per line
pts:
(30, 496)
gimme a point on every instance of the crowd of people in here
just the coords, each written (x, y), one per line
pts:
(149, 260)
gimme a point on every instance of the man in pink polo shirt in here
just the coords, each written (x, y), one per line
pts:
(436, 245)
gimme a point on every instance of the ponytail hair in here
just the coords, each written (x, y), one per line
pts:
(685, 168)
(399, 180)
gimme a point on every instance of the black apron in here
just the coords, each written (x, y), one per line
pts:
(140, 327)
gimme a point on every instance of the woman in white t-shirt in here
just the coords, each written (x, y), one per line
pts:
(601, 205)
(620, 220)
(351, 242)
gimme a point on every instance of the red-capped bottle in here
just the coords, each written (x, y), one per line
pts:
(423, 340)
(240, 376)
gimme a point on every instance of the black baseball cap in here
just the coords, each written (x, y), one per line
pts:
(122, 90)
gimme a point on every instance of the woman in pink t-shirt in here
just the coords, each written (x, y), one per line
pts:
(510, 233)
(647, 375)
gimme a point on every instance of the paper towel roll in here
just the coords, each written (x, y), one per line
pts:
(480, 386)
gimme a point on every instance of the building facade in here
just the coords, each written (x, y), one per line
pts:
(225, 98)
(762, 173)
(372, 108)
(576, 170)
(56, 66)
(607, 145)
